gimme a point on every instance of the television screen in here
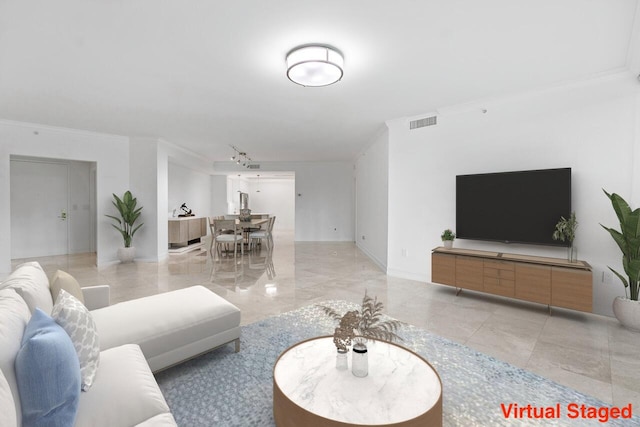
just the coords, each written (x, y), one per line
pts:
(513, 207)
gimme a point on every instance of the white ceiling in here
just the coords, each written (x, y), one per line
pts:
(204, 74)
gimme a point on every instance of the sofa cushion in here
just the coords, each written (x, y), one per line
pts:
(162, 420)
(48, 374)
(63, 280)
(7, 405)
(32, 284)
(124, 393)
(170, 327)
(76, 320)
(14, 316)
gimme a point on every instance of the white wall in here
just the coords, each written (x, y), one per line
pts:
(79, 207)
(277, 198)
(324, 198)
(218, 195)
(372, 193)
(149, 170)
(108, 151)
(590, 128)
(191, 187)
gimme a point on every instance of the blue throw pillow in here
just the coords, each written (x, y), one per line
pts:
(48, 374)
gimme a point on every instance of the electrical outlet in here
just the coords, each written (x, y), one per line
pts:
(405, 253)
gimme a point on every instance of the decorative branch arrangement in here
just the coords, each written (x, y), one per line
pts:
(361, 325)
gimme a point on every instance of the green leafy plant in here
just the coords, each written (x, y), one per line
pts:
(448, 235)
(628, 240)
(361, 325)
(566, 229)
(128, 216)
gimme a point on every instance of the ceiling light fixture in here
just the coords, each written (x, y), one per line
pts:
(240, 157)
(314, 65)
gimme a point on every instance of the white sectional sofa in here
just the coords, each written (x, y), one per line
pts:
(136, 337)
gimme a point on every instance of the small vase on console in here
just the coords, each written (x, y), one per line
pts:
(342, 363)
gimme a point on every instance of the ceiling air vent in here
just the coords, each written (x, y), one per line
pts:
(427, 121)
(252, 166)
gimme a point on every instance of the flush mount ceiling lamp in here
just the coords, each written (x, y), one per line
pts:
(240, 157)
(314, 65)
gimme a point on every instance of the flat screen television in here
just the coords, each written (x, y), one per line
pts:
(513, 207)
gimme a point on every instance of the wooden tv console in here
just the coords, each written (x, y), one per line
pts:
(551, 281)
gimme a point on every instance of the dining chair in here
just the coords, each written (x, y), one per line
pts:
(263, 234)
(212, 230)
(221, 227)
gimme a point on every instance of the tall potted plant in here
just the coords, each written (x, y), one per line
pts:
(129, 213)
(627, 309)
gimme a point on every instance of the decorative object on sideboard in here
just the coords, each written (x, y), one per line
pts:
(566, 232)
(129, 214)
(185, 211)
(448, 237)
(357, 327)
(627, 308)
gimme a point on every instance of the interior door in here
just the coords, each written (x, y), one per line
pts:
(39, 208)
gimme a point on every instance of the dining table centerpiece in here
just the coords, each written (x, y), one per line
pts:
(356, 327)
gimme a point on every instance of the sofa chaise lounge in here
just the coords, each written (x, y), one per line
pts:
(136, 337)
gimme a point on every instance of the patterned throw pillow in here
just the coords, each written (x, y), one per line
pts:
(76, 320)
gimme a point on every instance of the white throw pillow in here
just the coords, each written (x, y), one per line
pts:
(76, 320)
(7, 405)
(14, 316)
(30, 282)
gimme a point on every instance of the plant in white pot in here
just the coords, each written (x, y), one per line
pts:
(566, 232)
(448, 237)
(627, 309)
(129, 214)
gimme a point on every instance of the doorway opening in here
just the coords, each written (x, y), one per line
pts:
(53, 207)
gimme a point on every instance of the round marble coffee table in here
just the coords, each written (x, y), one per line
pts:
(402, 389)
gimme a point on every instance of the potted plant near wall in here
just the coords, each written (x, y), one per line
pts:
(129, 213)
(566, 232)
(627, 308)
(448, 237)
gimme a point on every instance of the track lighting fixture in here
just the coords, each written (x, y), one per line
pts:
(240, 157)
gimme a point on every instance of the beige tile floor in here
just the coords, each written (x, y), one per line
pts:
(590, 353)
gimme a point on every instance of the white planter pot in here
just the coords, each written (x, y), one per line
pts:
(627, 312)
(126, 254)
(448, 244)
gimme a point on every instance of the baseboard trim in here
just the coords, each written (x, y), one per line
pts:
(407, 275)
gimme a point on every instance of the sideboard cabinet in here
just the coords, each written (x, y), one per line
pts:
(551, 281)
(186, 230)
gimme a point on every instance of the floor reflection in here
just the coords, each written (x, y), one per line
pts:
(244, 271)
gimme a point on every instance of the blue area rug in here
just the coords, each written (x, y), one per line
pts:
(223, 388)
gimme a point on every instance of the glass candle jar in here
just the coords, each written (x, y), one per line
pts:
(359, 360)
(341, 360)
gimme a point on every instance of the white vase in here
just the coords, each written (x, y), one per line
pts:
(627, 312)
(448, 244)
(126, 254)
